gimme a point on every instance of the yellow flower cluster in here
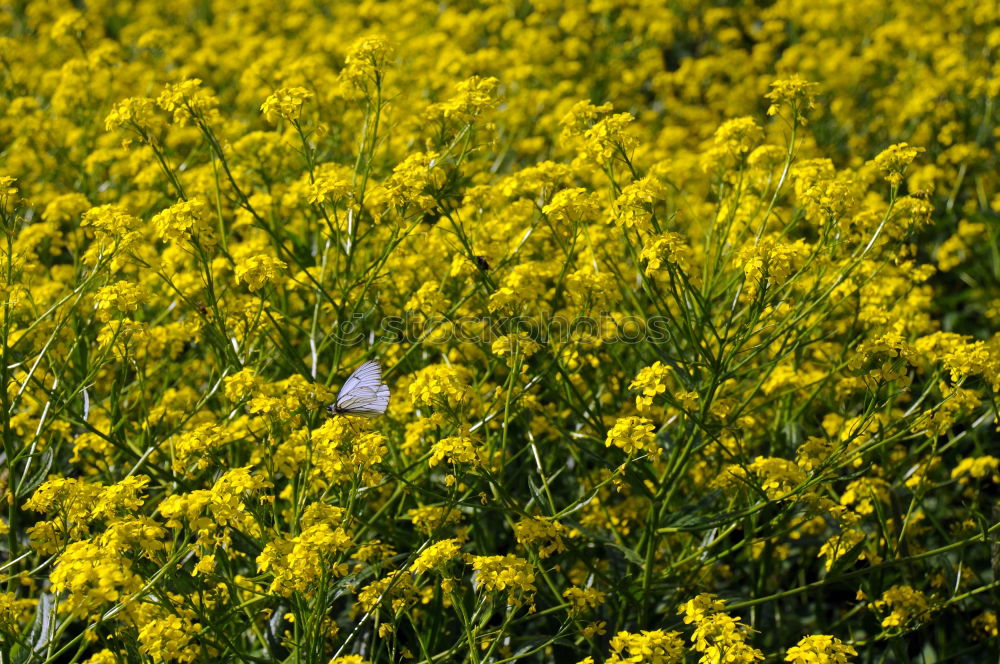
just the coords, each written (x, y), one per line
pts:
(717, 635)
(437, 555)
(543, 535)
(584, 600)
(285, 104)
(256, 271)
(94, 577)
(906, 605)
(439, 385)
(634, 435)
(977, 468)
(820, 649)
(300, 564)
(169, 639)
(394, 592)
(510, 573)
(653, 647)
(457, 450)
(651, 381)
(670, 299)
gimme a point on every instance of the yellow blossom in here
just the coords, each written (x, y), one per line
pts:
(285, 104)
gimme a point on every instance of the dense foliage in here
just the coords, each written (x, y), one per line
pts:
(687, 309)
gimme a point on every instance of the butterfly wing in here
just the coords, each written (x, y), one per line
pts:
(368, 375)
(365, 402)
(363, 393)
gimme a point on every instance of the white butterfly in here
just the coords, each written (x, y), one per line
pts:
(363, 393)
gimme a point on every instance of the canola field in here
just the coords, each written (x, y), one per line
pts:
(687, 311)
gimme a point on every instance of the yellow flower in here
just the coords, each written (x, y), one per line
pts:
(393, 592)
(69, 24)
(651, 382)
(66, 207)
(576, 204)
(414, 180)
(430, 518)
(183, 221)
(593, 629)
(123, 296)
(839, 545)
(769, 263)
(592, 290)
(720, 637)
(439, 384)
(14, 611)
(510, 573)
(582, 116)
(697, 609)
(908, 606)
(634, 206)
(137, 112)
(242, 385)
(329, 186)
(122, 497)
(349, 659)
(366, 62)
(977, 468)
(655, 647)
(796, 93)
(634, 435)
(739, 136)
(583, 600)
(457, 450)
(437, 555)
(8, 187)
(659, 251)
(544, 534)
(299, 564)
(894, 159)
(213, 512)
(169, 639)
(196, 444)
(863, 492)
(285, 104)
(188, 100)
(258, 270)
(820, 649)
(512, 345)
(473, 97)
(777, 476)
(428, 299)
(986, 624)
(94, 576)
(609, 138)
(111, 220)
